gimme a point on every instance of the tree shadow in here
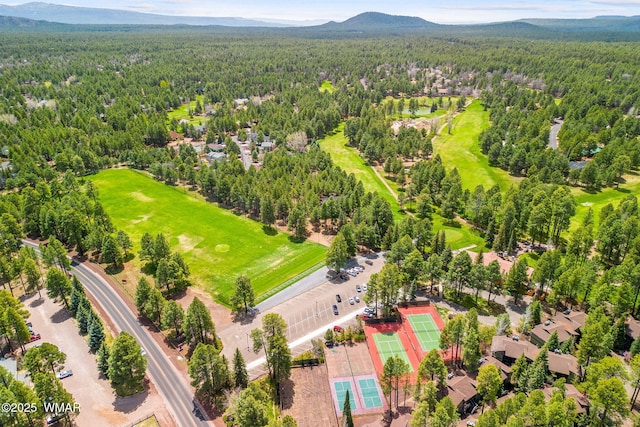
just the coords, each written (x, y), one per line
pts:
(60, 316)
(269, 231)
(297, 240)
(245, 318)
(287, 393)
(36, 302)
(149, 269)
(131, 403)
(114, 269)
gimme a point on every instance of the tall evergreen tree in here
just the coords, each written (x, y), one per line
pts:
(240, 376)
(347, 417)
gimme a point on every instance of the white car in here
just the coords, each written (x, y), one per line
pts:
(364, 288)
(142, 352)
(357, 298)
(64, 374)
(351, 301)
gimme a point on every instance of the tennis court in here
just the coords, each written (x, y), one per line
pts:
(426, 330)
(341, 388)
(388, 345)
(369, 391)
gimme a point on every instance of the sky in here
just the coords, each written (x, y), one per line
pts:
(443, 12)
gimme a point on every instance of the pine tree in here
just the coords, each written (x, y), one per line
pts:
(347, 418)
(82, 316)
(240, 376)
(103, 359)
(96, 334)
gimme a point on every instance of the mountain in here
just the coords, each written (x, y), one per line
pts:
(85, 15)
(376, 19)
(611, 24)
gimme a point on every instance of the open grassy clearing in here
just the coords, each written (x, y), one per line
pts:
(326, 86)
(598, 200)
(182, 112)
(217, 244)
(424, 103)
(458, 237)
(460, 149)
(349, 159)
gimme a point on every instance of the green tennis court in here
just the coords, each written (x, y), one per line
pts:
(370, 394)
(341, 391)
(426, 330)
(388, 345)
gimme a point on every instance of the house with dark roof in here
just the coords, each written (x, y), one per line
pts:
(570, 391)
(507, 350)
(463, 393)
(567, 325)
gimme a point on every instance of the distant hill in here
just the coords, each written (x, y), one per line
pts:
(91, 16)
(613, 24)
(376, 19)
(13, 21)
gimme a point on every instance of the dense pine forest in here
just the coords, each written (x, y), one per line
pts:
(74, 103)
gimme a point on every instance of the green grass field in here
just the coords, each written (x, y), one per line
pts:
(182, 112)
(598, 200)
(326, 86)
(349, 159)
(460, 149)
(217, 244)
(458, 237)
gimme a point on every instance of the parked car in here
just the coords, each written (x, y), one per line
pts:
(364, 288)
(351, 301)
(357, 298)
(335, 309)
(338, 298)
(337, 328)
(143, 352)
(358, 288)
(64, 374)
(35, 337)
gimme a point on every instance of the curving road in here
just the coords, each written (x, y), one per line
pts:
(171, 385)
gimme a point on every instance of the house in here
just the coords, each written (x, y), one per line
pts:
(567, 324)
(570, 391)
(267, 146)
(505, 371)
(507, 350)
(174, 136)
(565, 365)
(216, 148)
(463, 393)
(215, 157)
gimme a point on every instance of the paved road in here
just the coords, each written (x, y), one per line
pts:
(553, 134)
(172, 387)
(246, 157)
(310, 282)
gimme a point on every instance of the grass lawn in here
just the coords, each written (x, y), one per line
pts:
(458, 237)
(484, 307)
(217, 244)
(461, 149)
(182, 112)
(598, 200)
(349, 159)
(326, 86)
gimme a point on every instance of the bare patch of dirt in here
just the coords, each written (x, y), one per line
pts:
(308, 398)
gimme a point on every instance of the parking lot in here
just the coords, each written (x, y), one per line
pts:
(308, 312)
(98, 404)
